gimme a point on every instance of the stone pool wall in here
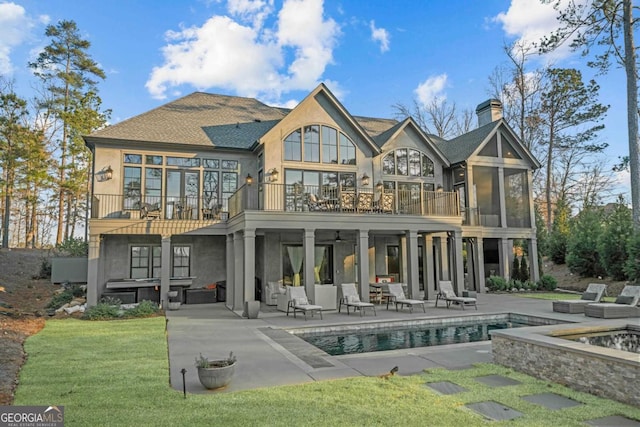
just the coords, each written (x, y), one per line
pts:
(613, 374)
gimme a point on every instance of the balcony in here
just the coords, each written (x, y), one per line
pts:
(277, 198)
(333, 199)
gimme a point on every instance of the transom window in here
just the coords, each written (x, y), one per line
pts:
(407, 162)
(319, 144)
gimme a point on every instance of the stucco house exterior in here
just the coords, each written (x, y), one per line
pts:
(220, 189)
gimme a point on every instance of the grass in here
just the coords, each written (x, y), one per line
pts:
(116, 373)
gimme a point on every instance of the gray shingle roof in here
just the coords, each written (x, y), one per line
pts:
(239, 135)
(184, 120)
(460, 148)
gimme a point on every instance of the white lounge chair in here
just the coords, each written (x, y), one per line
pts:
(351, 298)
(273, 290)
(396, 295)
(626, 305)
(447, 294)
(594, 293)
(298, 301)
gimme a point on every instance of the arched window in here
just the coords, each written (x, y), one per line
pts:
(319, 144)
(407, 162)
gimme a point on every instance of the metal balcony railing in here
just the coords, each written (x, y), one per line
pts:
(141, 206)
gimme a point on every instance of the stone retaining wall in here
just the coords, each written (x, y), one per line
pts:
(588, 371)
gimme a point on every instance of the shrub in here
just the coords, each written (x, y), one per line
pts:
(45, 270)
(144, 309)
(515, 269)
(547, 283)
(74, 247)
(524, 270)
(102, 311)
(496, 283)
(632, 266)
(65, 297)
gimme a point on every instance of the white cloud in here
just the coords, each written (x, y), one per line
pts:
(530, 20)
(380, 35)
(432, 89)
(250, 60)
(15, 27)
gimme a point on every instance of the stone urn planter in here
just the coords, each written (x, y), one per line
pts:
(214, 374)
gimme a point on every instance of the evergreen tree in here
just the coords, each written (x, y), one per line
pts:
(67, 71)
(559, 232)
(524, 269)
(582, 253)
(612, 245)
(515, 269)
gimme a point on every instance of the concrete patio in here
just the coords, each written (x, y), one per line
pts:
(270, 356)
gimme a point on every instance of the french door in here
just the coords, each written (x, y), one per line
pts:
(182, 194)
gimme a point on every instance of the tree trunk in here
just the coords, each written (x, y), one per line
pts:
(632, 111)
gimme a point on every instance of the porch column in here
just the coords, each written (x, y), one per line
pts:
(92, 270)
(444, 258)
(249, 258)
(502, 198)
(309, 244)
(479, 264)
(534, 267)
(363, 264)
(504, 259)
(230, 267)
(238, 266)
(165, 270)
(458, 263)
(429, 268)
(413, 276)
(473, 218)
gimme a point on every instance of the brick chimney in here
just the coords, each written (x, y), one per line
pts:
(489, 111)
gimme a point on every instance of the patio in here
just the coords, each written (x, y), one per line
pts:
(270, 356)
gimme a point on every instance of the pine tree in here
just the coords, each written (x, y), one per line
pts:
(582, 253)
(524, 269)
(559, 232)
(515, 269)
(612, 244)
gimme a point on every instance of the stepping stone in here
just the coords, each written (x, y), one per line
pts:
(613, 421)
(494, 411)
(445, 387)
(551, 400)
(497, 381)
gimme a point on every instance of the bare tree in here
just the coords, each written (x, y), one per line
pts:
(439, 117)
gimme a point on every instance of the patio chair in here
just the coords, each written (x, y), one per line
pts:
(396, 295)
(150, 211)
(351, 298)
(624, 306)
(447, 294)
(316, 204)
(298, 301)
(594, 293)
(273, 290)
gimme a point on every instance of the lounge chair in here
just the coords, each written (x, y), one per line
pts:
(624, 306)
(298, 301)
(273, 290)
(447, 294)
(396, 295)
(594, 293)
(351, 298)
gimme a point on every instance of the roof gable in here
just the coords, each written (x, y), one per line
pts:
(393, 132)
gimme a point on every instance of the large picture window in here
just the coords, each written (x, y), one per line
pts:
(407, 162)
(319, 144)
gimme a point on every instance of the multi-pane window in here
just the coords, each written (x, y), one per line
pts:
(407, 162)
(312, 143)
(153, 187)
(315, 143)
(229, 184)
(185, 162)
(210, 189)
(131, 187)
(145, 261)
(181, 261)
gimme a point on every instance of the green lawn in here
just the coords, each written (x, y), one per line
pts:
(116, 373)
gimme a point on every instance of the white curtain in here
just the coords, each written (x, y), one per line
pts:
(317, 262)
(296, 255)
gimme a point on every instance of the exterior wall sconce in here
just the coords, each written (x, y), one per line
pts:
(379, 186)
(105, 174)
(249, 179)
(365, 179)
(439, 189)
(273, 175)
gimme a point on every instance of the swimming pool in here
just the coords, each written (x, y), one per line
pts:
(373, 337)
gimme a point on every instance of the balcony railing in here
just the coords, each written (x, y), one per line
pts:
(141, 206)
(309, 198)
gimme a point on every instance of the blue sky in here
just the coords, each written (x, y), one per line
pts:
(371, 54)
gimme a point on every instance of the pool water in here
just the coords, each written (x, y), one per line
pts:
(365, 341)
